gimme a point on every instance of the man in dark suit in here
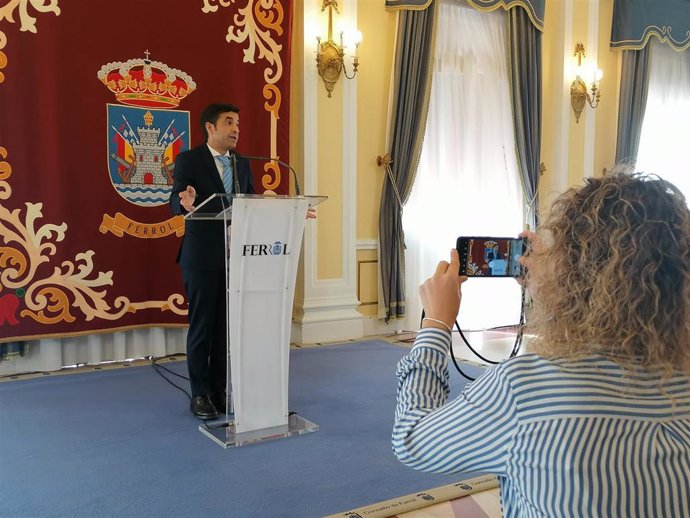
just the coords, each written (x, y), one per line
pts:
(198, 174)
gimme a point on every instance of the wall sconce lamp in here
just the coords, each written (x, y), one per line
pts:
(578, 89)
(330, 57)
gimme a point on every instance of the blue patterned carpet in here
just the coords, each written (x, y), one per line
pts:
(121, 442)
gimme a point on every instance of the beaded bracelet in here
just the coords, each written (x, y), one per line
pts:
(450, 329)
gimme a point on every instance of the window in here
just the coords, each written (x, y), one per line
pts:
(467, 182)
(664, 148)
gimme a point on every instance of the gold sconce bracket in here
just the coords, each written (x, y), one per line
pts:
(578, 96)
(578, 89)
(329, 61)
(330, 56)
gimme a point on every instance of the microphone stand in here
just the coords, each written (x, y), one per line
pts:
(235, 173)
(298, 190)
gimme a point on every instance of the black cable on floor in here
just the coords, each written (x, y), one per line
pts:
(156, 364)
(157, 367)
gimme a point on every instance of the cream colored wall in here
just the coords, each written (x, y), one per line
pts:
(607, 112)
(577, 130)
(324, 137)
(330, 174)
(553, 97)
(569, 150)
(378, 26)
(574, 150)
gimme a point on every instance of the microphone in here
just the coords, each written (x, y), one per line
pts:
(235, 172)
(298, 191)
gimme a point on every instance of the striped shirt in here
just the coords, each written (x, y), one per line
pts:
(566, 438)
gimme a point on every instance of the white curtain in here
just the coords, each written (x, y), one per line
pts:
(55, 353)
(467, 182)
(664, 141)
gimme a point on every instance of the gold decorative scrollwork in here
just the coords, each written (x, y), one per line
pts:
(173, 304)
(72, 277)
(271, 91)
(209, 7)
(72, 285)
(268, 18)
(34, 244)
(13, 264)
(3, 56)
(28, 22)
(5, 173)
(254, 24)
(271, 179)
(54, 306)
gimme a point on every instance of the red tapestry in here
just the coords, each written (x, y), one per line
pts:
(96, 100)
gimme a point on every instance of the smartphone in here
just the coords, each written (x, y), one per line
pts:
(490, 256)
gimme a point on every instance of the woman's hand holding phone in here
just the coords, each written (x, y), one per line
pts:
(441, 294)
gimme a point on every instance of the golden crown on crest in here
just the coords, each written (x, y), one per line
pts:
(142, 82)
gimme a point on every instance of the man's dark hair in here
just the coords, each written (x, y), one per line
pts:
(211, 114)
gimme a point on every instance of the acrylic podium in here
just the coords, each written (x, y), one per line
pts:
(263, 236)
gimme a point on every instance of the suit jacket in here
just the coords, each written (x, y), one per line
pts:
(203, 244)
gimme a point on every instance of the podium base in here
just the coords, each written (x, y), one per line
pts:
(225, 434)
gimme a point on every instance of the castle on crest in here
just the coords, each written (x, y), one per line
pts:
(148, 153)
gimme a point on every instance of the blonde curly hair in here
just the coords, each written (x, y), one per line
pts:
(612, 274)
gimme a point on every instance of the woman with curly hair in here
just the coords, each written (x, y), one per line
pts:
(595, 419)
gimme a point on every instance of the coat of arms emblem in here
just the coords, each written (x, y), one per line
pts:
(142, 145)
(145, 134)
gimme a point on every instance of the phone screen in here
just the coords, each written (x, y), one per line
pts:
(490, 256)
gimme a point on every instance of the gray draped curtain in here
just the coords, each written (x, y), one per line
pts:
(632, 103)
(526, 74)
(412, 80)
(634, 23)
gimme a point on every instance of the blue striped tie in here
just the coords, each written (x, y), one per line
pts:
(227, 172)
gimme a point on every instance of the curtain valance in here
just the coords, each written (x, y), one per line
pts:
(534, 8)
(635, 21)
(408, 5)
